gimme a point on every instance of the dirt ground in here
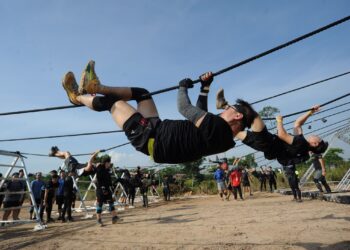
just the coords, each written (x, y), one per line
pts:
(265, 221)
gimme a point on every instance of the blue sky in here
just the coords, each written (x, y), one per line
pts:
(154, 44)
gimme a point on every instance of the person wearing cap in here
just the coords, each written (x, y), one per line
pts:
(36, 186)
(12, 199)
(287, 149)
(104, 186)
(166, 141)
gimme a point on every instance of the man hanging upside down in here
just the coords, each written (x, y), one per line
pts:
(71, 164)
(289, 150)
(166, 141)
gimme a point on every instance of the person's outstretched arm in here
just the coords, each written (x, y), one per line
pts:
(281, 132)
(192, 113)
(89, 165)
(302, 119)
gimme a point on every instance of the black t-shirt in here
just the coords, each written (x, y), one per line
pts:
(178, 141)
(68, 187)
(51, 187)
(316, 161)
(245, 177)
(295, 153)
(271, 175)
(103, 176)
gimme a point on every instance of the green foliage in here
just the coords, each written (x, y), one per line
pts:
(171, 170)
(269, 112)
(333, 158)
(99, 158)
(248, 161)
(192, 168)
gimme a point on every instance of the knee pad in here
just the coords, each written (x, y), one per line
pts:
(140, 94)
(104, 103)
(111, 207)
(98, 209)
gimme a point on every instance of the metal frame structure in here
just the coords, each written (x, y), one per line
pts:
(18, 162)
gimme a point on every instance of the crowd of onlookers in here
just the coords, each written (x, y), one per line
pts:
(60, 189)
(232, 179)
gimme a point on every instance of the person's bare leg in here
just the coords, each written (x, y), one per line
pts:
(147, 108)
(86, 100)
(121, 112)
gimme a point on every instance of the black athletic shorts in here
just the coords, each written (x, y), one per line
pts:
(262, 141)
(139, 129)
(103, 194)
(8, 204)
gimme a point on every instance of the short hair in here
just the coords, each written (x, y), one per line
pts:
(249, 114)
(53, 172)
(321, 148)
(54, 176)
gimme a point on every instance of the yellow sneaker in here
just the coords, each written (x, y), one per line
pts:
(71, 87)
(89, 81)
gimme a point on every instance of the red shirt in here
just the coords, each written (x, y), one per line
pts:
(235, 178)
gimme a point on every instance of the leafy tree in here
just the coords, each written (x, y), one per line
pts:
(248, 161)
(269, 112)
(333, 158)
(193, 169)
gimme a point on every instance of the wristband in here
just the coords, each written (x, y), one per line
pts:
(279, 120)
(311, 112)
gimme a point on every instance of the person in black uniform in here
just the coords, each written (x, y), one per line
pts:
(68, 195)
(48, 197)
(166, 187)
(271, 176)
(293, 181)
(104, 185)
(287, 149)
(166, 141)
(262, 179)
(320, 173)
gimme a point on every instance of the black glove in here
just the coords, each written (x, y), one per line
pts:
(186, 83)
(205, 84)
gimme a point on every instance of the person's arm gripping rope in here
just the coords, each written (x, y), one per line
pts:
(192, 113)
(281, 132)
(302, 119)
